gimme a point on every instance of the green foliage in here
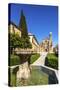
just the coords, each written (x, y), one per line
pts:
(26, 43)
(34, 57)
(15, 40)
(14, 60)
(52, 61)
(24, 33)
(12, 76)
(23, 25)
(13, 80)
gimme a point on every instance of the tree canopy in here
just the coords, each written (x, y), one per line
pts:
(14, 41)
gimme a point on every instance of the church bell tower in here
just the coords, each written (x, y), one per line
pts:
(50, 42)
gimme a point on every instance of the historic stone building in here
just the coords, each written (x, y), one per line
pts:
(34, 42)
(46, 44)
(14, 29)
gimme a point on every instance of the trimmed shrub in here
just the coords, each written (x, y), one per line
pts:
(52, 61)
(14, 60)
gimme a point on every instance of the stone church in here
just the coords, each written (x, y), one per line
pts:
(46, 45)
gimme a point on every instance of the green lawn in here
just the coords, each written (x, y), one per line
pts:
(34, 57)
(52, 61)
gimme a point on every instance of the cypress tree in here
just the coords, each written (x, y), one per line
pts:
(25, 44)
(23, 25)
(24, 33)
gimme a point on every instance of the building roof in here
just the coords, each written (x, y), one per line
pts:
(30, 34)
(14, 25)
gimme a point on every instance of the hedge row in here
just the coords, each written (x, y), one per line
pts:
(14, 60)
(52, 61)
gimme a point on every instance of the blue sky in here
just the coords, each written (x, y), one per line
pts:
(40, 19)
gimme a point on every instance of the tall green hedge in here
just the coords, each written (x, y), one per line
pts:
(52, 61)
(14, 60)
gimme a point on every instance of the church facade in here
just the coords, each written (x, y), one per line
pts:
(46, 45)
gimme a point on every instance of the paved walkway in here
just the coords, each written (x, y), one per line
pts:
(41, 59)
